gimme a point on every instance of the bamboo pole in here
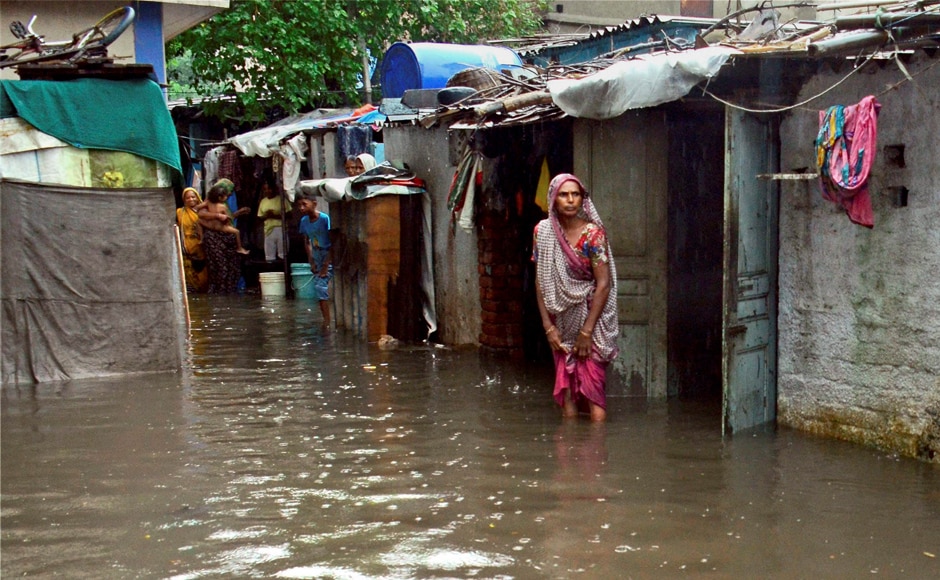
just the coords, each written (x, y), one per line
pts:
(511, 104)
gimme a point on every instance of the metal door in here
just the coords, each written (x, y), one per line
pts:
(749, 319)
(622, 162)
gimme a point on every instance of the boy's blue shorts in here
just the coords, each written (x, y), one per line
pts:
(322, 285)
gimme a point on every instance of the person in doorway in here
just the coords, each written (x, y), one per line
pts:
(214, 215)
(575, 286)
(221, 248)
(358, 164)
(194, 257)
(269, 210)
(350, 166)
(315, 227)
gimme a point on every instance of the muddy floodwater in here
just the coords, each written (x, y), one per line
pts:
(284, 451)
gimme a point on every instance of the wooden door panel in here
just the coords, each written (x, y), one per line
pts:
(749, 321)
(622, 163)
(628, 374)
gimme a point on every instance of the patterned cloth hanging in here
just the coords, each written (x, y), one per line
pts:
(466, 181)
(845, 152)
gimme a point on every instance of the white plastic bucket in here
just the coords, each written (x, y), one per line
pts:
(272, 284)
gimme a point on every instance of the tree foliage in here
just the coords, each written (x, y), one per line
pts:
(297, 54)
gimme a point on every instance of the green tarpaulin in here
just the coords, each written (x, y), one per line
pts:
(128, 115)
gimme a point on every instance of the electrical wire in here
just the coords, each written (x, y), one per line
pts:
(793, 106)
(896, 56)
(909, 77)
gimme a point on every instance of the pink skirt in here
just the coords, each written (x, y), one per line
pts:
(585, 378)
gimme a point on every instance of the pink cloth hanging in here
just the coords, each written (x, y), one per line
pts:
(845, 153)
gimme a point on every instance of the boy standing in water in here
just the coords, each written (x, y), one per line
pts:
(315, 227)
(213, 214)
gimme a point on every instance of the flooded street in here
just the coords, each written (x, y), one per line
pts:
(284, 451)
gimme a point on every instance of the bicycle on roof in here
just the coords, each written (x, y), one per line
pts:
(88, 43)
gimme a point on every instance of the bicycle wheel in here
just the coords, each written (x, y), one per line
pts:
(89, 41)
(111, 26)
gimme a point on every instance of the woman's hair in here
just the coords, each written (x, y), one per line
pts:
(268, 180)
(217, 193)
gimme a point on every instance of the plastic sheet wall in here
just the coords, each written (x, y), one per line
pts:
(89, 282)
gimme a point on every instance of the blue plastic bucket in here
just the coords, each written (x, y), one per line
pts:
(428, 65)
(301, 280)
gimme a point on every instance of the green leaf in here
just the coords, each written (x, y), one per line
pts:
(301, 54)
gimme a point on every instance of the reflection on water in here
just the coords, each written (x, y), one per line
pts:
(286, 451)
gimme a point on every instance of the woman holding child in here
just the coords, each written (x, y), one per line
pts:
(222, 246)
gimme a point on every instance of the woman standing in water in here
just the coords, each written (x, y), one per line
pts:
(575, 286)
(194, 258)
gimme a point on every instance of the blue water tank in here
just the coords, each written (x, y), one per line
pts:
(428, 65)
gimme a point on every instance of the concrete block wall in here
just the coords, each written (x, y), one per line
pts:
(859, 317)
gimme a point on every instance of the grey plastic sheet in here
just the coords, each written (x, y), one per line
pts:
(645, 81)
(90, 282)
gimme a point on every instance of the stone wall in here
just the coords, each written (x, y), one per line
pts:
(859, 326)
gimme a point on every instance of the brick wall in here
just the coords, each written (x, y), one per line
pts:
(501, 284)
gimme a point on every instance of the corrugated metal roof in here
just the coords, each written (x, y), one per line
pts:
(654, 31)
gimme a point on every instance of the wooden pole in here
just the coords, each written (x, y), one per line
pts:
(182, 274)
(288, 286)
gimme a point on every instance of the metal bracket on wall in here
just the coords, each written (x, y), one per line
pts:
(788, 176)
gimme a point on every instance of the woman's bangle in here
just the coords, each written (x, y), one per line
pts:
(584, 334)
(550, 329)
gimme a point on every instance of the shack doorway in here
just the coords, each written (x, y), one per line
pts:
(696, 148)
(692, 233)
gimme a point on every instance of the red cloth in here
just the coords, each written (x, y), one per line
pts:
(586, 379)
(367, 108)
